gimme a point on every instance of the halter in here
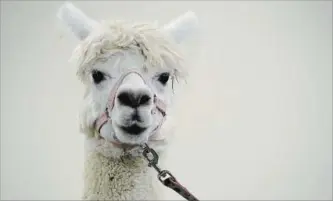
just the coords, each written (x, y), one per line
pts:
(105, 116)
(164, 176)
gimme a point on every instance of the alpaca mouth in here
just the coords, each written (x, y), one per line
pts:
(133, 130)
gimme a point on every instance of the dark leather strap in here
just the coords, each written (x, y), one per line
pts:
(170, 181)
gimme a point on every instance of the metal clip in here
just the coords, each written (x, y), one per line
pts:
(152, 159)
(164, 175)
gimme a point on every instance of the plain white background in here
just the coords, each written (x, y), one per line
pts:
(255, 117)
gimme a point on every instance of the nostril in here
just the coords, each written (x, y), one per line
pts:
(126, 98)
(144, 99)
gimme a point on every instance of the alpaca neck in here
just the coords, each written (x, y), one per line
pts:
(117, 178)
(109, 176)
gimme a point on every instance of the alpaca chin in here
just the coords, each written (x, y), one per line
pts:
(112, 174)
(159, 143)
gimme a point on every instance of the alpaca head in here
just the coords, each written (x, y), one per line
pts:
(128, 70)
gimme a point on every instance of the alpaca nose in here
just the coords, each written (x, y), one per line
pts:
(134, 100)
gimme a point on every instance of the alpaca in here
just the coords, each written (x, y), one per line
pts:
(128, 70)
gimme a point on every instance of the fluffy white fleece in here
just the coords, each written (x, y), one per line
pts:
(125, 178)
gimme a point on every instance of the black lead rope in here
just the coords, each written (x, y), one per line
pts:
(165, 177)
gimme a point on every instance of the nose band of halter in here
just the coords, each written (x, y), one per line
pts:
(105, 116)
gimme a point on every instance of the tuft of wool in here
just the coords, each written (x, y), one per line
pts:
(112, 38)
(124, 178)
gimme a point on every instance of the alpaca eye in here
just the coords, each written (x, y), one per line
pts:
(97, 76)
(163, 78)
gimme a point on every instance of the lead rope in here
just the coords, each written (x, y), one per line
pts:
(165, 177)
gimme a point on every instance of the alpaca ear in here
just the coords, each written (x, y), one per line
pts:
(79, 23)
(182, 27)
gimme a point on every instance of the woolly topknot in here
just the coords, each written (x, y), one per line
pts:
(116, 37)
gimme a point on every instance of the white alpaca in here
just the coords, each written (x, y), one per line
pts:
(128, 70)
